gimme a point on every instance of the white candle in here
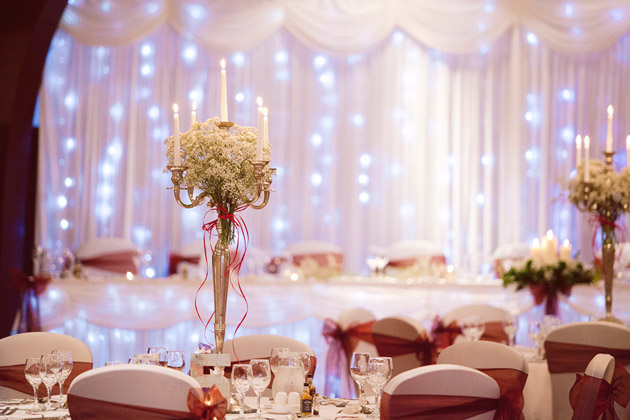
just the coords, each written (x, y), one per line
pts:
(535, 251)
(578, 152)
(266, 125)
(609, 138)
(552, 247)
(224, 109)
(177, 159)
(587, 146)
(628, 151)
(260, 129)
(193, 113)
(565, 251)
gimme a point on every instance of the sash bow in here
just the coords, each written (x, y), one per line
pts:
(605, 394)
(209, 406)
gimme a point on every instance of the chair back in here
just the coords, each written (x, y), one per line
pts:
(424, 386)
(187, 258)
(15, 349)
(108, 256)
(505, 256)
(403, 339)
(358, 316)
(107, 391)
(310, 256)
(585, 392)
(415, 257)
(490, 315)
(569, 350)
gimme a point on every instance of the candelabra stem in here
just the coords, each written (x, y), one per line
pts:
(608, 260)
(221, 281)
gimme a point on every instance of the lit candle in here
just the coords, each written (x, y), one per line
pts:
(535, 251)
(177, 159)
(552, 247)
(628, 151)
(565, 251)
(609, 138)
(260, 129)
(578, 152)
(587, 145)
(224, 109)
(193, 113)
(265, 127)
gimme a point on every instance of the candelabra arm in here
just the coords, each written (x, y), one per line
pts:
(177, 178)
(263, 181)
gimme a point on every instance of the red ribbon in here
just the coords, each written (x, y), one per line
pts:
(591, 397)
(213, 406)
(235, 263)
(596, 223)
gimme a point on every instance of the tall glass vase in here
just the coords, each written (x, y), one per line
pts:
(221, 282)
(608, 263)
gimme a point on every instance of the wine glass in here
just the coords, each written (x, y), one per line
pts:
(359, 372)
(473, 328)
(65, 358)
(161, 351)
(306, 361)
(50, 372)
(31, 371)
(175, 360)
(146, 358)
(536, 335)
(240, 382)
(510, 327)
(259, 375)
(379, 372)
(274, 358)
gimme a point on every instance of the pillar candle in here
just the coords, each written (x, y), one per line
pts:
(587, 146)
(260, 130)
(552, 248)
(224, 109)
(578, 152)
(193, 113)
(609, 138)
(565, 251)
(266, 125)
(535, 251)
(177, 159)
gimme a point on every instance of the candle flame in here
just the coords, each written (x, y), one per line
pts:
(610, 110)
(535, 243)
(129, 275)
(549, 235)
(175, 108)
(565, 243)
(587, 142)
(222, 64)
(578, 141)
(265, 112)
(194, 105)
(628, 142)
(259, 101)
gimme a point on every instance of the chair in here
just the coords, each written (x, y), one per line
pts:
(187, 258)
(505, 256)
(403, 339)
(502, 363)
(107, 257)
(258, 346)
(317, 258)
(569, 350)
(130, 392)
(490, 315)
(15, 349)
(415, 257)
(585, 392)
(437, 391)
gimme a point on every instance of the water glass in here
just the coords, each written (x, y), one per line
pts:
(473, 328)
(510, 327)
(274, 358)
(306, 361)
(175, 359)
(146, 359)
(240, 382)
(379, 372)
(65, 358)
(162, 354)
(536, 335)
(359, 372)
(259, 375)
(31, 371)
(49, 372)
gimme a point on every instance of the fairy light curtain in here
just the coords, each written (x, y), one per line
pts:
(452, 121)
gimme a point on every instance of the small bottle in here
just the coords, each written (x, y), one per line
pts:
(311, 387)
(306, 402)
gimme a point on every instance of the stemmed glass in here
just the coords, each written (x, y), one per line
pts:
(31, 371)
(274, 358)
(536, 335)
(161, 351)
(240, 382)
(306, 362)
(65, 359)
(359, 372)
(50, 372)
(379, 372)
(473, 328)
(510, 327)
(175, 360)
(259, 375)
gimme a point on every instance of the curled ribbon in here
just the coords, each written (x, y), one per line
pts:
(605, 394)
(235, 263)
(598, 222)
(211, 405)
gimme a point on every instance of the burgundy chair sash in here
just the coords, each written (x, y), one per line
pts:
(410, 262)
(396, 346)
(569, 357)
(511, 383)
(212, 406)
(321, 259)
(494, 332)
(591, 397)
(29, 288)
(13, 377)
(444, 336)
(174, 259)
(431, 407)
(117, 262)
(341, 345)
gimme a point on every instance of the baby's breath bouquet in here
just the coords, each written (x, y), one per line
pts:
(217, 162)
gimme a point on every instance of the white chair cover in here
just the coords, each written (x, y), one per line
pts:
(139, 385)
(415, 257)
(602, 366)
(317, 259)
(486, 313)
(597, 334)
(483, 355)
(15, 349)
(444, 379)
(103, 247)
(505, 256)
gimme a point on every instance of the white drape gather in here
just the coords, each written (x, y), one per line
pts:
(398, 140)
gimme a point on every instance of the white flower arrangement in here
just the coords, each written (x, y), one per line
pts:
(217, 162)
